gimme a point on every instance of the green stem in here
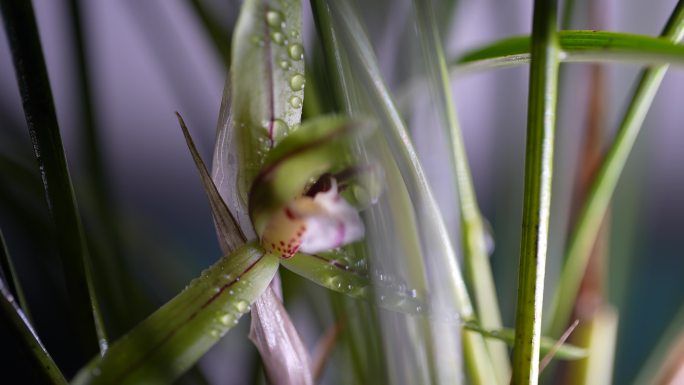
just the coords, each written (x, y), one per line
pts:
(34, 86)
(478, 269)
(537, 195)
(603, 186)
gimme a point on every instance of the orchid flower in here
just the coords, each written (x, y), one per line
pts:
(317, 221)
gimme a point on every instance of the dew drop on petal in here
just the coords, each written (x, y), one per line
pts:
(296, 101)
(297, 82)
(275, 19)
(296, 51)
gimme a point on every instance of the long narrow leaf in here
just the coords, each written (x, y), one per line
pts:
(43, 363)
(34, 86)
(476, 259)
(541, 120)
(9, 274)
(602, 187)
(410, 214)
(565, 351)
(576, 46)
(173, 338)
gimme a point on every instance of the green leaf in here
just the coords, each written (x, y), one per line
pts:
(39, 109)
(320, 145)
(174, 337)
(565, 351)
(577, 46)
(267, 80)
(333, 273)
(229, 233)
(541, 121)
(43, 363)
(602, 187)
(476, 258)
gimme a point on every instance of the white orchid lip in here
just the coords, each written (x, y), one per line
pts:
(312, 224)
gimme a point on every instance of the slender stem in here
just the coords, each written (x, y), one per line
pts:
(34, 86)
(603, 186)
(476, 258)
(537, 196)
(22, 326)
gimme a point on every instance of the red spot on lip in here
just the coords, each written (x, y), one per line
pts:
(290, 215)
(282, 243)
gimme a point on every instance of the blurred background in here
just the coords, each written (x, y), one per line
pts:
(147, 59)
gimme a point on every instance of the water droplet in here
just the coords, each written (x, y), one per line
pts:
(215, 333)
(241, 306)
(231, 292)
(275, 19)
(294, 34)
(414, 293)
(284, 64)
(258, 41)
(489, 243)
(278, 38)
(419, 309)
(297, 82)
(296, 101)
(296, 51)
(237, 279)
(226, 319)
(280, 129)
(103, 345)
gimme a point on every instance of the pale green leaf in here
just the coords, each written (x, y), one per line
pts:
(173, 338)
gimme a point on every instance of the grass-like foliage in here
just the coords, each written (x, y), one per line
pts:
(316, 170)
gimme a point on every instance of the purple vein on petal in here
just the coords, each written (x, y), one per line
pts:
(336, 264)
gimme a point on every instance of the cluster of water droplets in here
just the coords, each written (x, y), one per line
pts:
(231, 310)
(286, 51)
(394, 294)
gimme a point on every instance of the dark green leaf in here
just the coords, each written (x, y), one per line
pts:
(20, 324)
(9, 274)
(34, 86)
